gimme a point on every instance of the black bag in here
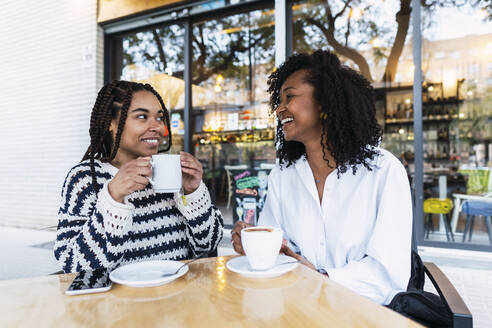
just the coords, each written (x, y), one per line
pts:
(426, 308)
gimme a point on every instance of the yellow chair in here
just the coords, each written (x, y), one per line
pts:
(438, 206)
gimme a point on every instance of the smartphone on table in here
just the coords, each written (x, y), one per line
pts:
(87, 282)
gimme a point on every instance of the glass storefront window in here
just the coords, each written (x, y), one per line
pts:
(156, 57)
(457, 129)
(457, 95)
(368, 38)
(234, 132)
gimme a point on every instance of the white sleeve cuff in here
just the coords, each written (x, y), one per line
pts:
(194, 204)
(364, 278)
(332, 274)
(117, 217)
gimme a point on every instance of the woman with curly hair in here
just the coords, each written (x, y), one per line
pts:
(109, 213)
(343, 203)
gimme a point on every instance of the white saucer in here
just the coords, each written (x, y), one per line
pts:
(147, 273)
(241, 265)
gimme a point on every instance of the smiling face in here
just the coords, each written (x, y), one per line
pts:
(144, 128)
(298, 111)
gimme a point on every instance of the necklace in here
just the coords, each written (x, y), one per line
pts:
(321, 178)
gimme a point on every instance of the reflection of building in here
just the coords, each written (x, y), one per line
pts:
(448, 61)
(169, 87)
(456, 75)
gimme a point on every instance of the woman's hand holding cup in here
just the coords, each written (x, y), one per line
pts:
(236, 236)
(289, 252)
(132, 176)
(192, 172)
(261, 245)
(238, 246)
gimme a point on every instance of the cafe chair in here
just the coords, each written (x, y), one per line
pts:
(267, 166)
(230, 181)
(447, 309)
(442, 207)
(473, 208)
(460, 314)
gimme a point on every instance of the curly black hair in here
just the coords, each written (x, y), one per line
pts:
(114, 98)
(350, 131)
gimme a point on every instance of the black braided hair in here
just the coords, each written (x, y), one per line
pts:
(112, 100)
(349, 126)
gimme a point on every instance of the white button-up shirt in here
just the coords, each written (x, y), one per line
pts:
(360, 234)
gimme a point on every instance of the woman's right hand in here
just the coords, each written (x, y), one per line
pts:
(132, 176)
(236, 236)
(289, 252)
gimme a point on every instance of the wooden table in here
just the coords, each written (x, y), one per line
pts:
(207, 296)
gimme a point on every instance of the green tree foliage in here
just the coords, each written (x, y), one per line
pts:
(351, 27)
(230, 45)
(226, 46)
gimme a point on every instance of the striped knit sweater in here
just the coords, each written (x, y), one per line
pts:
(95, 231)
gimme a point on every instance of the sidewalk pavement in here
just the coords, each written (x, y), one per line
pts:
(28, 253)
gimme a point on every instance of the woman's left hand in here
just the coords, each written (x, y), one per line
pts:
(192, 172)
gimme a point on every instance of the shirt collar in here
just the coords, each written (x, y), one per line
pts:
(306, 175)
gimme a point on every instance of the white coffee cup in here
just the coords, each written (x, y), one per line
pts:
(261, 245)
(166, 173)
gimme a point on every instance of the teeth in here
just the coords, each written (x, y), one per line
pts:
(151, 141)
(286, 120)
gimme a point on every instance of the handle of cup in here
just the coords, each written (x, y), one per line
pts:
(152, 165)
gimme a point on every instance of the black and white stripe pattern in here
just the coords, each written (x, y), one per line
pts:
(95, 231)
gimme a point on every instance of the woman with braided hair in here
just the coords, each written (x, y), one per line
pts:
(343, 203)
(109, 213)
